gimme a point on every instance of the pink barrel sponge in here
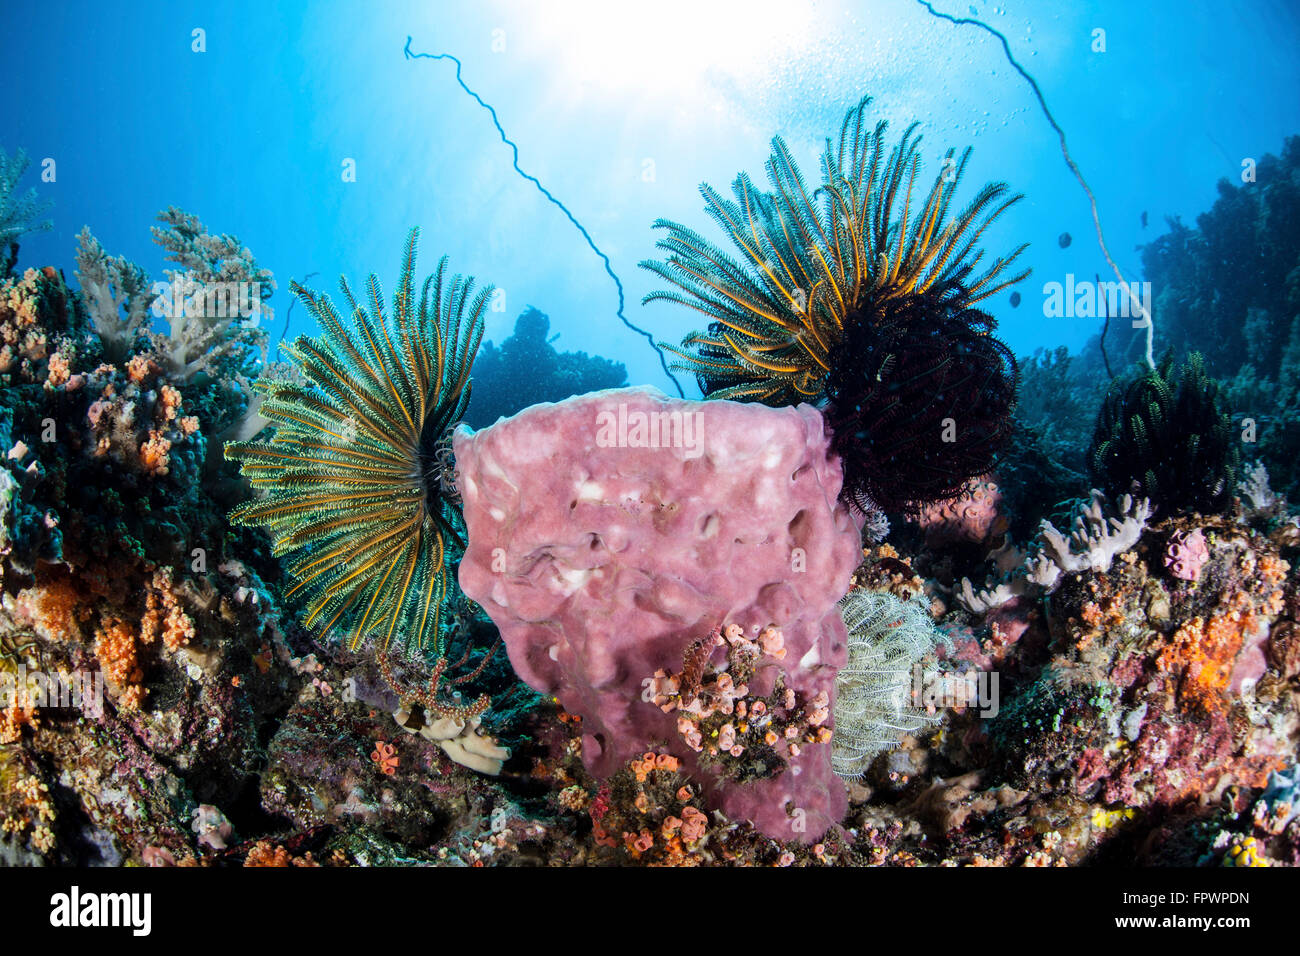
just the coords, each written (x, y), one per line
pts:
(613, 536)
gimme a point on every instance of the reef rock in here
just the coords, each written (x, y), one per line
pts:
(612, 533)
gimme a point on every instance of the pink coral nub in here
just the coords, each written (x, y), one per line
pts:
(974, 516)
(1187, 554)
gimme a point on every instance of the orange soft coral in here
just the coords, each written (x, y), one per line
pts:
(140, 368)
(264, 854)
(13, 720)
(153, 454)
(119, 659)
(164, 614)
(1200, 655)
(169, 403)
(60, 371)
(54, 608)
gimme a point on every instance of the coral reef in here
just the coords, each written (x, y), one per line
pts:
(1095, 540)
(718, 672)
(213, 306)
(526, 369)
(610, 533)
(97, 454)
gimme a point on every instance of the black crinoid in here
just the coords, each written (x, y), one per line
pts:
(848, 297)
(354, 473)
(1167, 436)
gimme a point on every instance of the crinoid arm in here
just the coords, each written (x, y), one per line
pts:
(352, 477)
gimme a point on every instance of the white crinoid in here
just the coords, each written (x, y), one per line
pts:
(873, 710)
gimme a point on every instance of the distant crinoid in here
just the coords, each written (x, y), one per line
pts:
(353, 474)
(847, 295)
(1166, 436)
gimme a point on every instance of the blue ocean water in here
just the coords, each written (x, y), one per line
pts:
(620, 110)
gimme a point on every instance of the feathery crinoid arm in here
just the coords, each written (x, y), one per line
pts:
(809, 262)
(349, 478)
(768, 306)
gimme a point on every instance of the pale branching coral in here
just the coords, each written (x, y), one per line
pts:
(213, 306)
(116, 292)
(1094, 541)
(873, 709)
(1258, 498)
(1096, 538)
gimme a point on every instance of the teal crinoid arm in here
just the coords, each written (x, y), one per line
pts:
(353, 477)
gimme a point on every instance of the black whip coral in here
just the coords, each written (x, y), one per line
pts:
(1166, 435)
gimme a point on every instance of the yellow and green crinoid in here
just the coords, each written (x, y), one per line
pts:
(813, 262)
(353, 477)
(858, 298)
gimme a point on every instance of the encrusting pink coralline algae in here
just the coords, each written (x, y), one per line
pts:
(615, 537)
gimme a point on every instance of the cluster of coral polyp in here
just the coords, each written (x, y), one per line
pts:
(718, 717)
(612, 535)
(974, 516)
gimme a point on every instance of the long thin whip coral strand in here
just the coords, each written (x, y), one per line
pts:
(609, 267)
(1060, 133)
(289, 311)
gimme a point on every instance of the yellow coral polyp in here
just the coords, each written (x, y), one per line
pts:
(1244, 853)
(1104, 819)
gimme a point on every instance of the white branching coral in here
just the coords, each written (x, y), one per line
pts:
(116, 293)
(19, 213)
(873, 709)
(222, 289)
(1094, 541)
(213, 306)
(1255, 492)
